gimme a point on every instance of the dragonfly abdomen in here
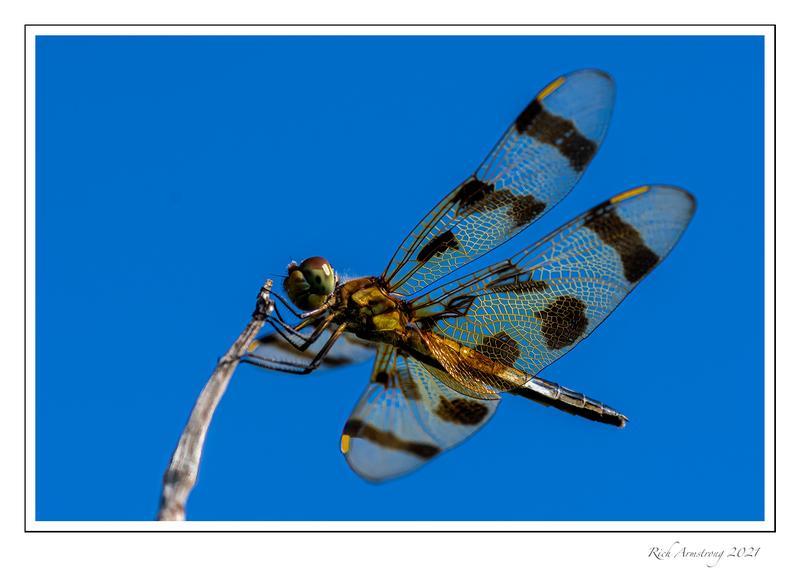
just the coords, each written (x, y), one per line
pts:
(571, 401)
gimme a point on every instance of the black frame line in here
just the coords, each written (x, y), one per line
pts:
(169, 531)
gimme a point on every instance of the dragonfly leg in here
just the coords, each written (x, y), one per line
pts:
(571, 401)
(291, 366)
(307, 317)
(288, 332)
(289, 307)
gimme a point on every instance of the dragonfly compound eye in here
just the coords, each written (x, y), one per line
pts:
(318, 273)
(309, 284)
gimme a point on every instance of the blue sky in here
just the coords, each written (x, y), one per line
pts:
(175, 174)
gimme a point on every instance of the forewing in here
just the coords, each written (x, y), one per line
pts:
(530, 310)
(405, 417)
(533, 166)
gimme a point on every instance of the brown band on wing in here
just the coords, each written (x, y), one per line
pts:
(472, 192)
(500, 347)
(522, 209)
(548, 128)
(438, 245)
(563, 321)
(637, 258)
(358, 429)
(461, 411)
(481, 196)
(525, 287)
(277, 341)
(333, 360)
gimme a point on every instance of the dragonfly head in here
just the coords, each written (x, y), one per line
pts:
(309, 284)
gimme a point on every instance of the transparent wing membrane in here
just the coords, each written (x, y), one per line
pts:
(406, 417)
(528, 311)
(534, 165)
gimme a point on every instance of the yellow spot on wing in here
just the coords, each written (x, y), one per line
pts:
(629, 194)
(550, 88)
(255, 344)
(345, 443)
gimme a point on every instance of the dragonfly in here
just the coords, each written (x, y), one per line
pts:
(446, 350)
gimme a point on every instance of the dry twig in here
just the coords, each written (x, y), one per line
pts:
(181, 475)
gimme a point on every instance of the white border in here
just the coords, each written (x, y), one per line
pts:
(395, 30)
(769, 417)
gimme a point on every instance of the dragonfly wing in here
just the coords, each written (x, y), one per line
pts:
(406, 417)
(528, 311)
(348, 349)
(534, 165)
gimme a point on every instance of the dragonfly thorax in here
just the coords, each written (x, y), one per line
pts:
(368, 309)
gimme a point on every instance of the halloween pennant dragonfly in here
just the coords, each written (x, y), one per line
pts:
(445, 351)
